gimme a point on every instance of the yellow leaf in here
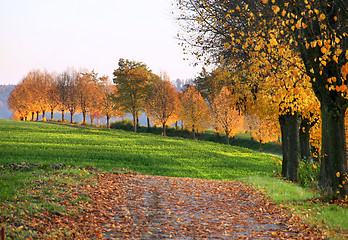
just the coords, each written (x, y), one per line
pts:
(312, 70)
(314, 166)
(322, 17)
(264, 1)
(347, 54)
(273, 42)
(335, 58)
(275, 9)
(338, 174)
(337, 40)
(299, 24)
(323, 50)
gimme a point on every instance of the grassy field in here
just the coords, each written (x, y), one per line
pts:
(105, 149)
(68, 154)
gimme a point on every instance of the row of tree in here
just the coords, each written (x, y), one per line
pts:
(70, 91)
(288, 62)
(135, 89)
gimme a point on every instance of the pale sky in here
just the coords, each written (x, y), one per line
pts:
(53, 35)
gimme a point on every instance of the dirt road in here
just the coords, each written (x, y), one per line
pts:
(152, 207)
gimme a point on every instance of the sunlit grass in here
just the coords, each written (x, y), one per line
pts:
(146, 153)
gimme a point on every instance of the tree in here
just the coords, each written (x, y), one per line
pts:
(194, 111)
(131, 79)
(53, 94)
(19, 101)
(225, 115)
(86, 92)
(238, 35)
(108, 105)
(162, 103)
(319, 31)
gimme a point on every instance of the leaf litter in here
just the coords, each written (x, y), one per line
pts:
(136, 206)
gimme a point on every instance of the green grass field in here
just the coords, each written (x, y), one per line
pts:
(75, 148)
(46, 143)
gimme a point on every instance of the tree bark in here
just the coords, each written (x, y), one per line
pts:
(148, 122)
(84, 117)
(71, 116)
(334, 156)
(290, 128)
(227, 138)
(63, 117)
(52, 118)
(37, 115)
(304, 139)
(285, 144)
(294, 146)
(108, 121)
(164, 129)
(193, 133)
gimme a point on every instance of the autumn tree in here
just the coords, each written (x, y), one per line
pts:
(227, 118)
(108, 105)
(162, 103)
(52, 94)
(131, 79)
(19, 101)
(194, 111)
(239, 34)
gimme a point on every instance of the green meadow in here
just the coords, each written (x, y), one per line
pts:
(48, 143)
(63, 152)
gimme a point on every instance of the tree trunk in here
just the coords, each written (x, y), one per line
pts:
(164, 129)
(227, 137)
(43, 115)
(290, 126)
(148, 122)
(108, 121)
(334, 156)
(84, 113)
(92, 118)
(37, 115)
(52, 118)
(63, 117)
(285, 144)
(304, 139)
(294, 146)
(71, 116)
(193, 133)
(176, 125)
(32, 116)
(134, 121)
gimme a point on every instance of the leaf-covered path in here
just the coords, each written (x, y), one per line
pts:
(152, 207)
(135, 206)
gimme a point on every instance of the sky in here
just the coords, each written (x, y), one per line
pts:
(53, 35)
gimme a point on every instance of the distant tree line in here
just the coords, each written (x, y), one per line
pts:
(135, 89)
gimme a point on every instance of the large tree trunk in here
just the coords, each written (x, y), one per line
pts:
(334, 156)
(193, 133)
(32, 116)
(43, 115)
(84, 113)
(52, 112)
(294, 146)
(290, 126)
(148, 122)
(37, 115)
(285, 144)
